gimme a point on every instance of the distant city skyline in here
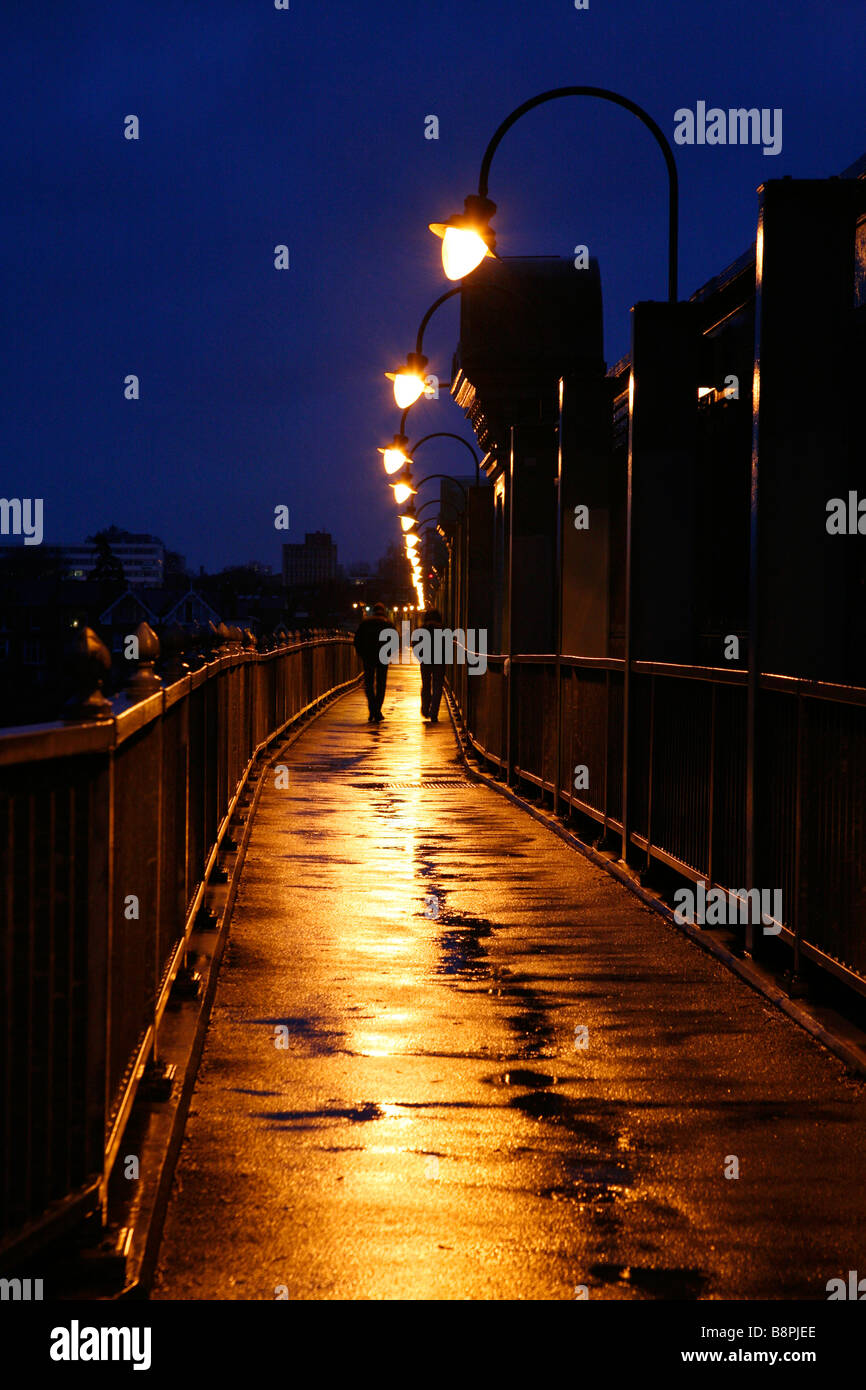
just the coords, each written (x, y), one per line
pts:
(182, 548)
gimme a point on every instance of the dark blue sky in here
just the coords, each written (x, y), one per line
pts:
(306, 127)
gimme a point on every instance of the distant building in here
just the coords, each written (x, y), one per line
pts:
(192, 608)
(123, 616)
(142, 557)
(160, 608)
(314, 562)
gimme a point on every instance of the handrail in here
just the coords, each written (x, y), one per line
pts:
(23, 743)
(830, 691)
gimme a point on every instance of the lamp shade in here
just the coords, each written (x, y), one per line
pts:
(407, 387)
(466, 238)
(462, 251)
(395, 456)
(409, 381)
(394, 460)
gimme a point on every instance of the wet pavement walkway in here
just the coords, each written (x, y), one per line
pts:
(450, 1058)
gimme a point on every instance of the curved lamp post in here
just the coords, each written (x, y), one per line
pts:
(435, 502)
(409, 517)
(429, 528)
(409, 521)
(409, 381)
(448, 478)
(424, 505)
(447, 434)
(429, 478)
(468, 237)
(399, 453)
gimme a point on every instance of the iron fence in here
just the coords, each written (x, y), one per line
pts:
(109, 830)
(556, 726)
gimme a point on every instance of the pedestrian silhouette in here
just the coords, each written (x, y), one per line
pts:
(432, 666)
(368, 645)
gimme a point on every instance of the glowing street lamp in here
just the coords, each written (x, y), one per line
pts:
(468, 237)
(402, 492)
(409, 381)
(395, 456)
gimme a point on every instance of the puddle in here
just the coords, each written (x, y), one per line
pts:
(529, 1079)
(533, 1030)
(460, 945)
(571, 1114)
(479, 926)
(355, 1114)
(658, 1283)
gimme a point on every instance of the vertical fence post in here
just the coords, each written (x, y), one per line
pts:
(557, 599)
(798, 838)
(650, 772)
(711, 790)
(508, 668)
(110, 927)
(629, 608)
(607, 689)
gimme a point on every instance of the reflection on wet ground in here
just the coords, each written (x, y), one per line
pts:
(539, 1085)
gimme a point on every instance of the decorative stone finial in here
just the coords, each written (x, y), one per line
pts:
(144, 681)
(89, 662)
(174, 644)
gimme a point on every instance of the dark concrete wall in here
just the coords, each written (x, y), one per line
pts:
(808, 430)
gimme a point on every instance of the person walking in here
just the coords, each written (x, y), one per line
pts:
(368, 645)
(433, 668)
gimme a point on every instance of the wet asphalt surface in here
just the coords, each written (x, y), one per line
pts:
(436, 1123)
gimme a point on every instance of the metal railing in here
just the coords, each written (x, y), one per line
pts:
(687, 778)
(109, 830)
